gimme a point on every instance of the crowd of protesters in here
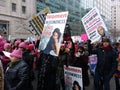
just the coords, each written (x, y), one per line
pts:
(25, 58)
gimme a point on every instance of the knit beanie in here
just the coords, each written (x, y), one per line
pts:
(22, 45)
(30, 47)
(7, 46)
(17, 42)
(16, 53)
(106, 40)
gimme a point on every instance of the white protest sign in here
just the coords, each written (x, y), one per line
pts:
(36, 23)
(93, 62)
(52, 34)
(73, 76)
(94, 25)
(7, 54)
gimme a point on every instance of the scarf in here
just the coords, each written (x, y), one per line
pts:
(106, 48)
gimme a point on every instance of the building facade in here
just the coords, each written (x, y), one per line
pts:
(76, 12)
(77, 9)
(115, 13)
(104, 7)
(13, 15)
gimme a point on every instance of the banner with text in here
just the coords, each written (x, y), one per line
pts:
(73, 78)
(52, 34)
(36, 23)
(94, 25)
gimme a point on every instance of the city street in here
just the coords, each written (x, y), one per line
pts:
(91, 86)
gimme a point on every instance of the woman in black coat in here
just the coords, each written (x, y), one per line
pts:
(106, 64)
(17, 75)
(82, 62)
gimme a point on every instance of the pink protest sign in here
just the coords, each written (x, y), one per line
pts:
(84, 37)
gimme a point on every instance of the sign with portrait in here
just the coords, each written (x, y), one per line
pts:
(93, 62)
(94, 25)
(52, 34)
(73, 78)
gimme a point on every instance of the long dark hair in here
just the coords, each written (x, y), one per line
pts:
(76, 83)
(57, 30)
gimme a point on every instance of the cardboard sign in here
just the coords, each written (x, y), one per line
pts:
(84, 37)
(94, 25)
(7, 54)
(92, 62)
(52, 34)
(73, 76)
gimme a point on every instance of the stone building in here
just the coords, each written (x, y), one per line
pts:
(13, 16)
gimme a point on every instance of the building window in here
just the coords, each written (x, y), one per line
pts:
(23, 9)
(114, 23)
(13, 7)
(23, 0)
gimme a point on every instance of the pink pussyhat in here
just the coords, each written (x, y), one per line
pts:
(26, 41)
(7, 46)
(1, 38)
(30, 47)
(22, 45)
(2, 45)
(16, 53)
(62, 45)
(17, 42)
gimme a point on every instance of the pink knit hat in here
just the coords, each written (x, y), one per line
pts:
(2, 45)
(26, 41)
(30, 47)
(1, 38)
(62, 45)
(23, 45)
(16, 53)
(17, 42)
(7, 45)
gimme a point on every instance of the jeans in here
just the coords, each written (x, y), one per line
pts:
(101, 80)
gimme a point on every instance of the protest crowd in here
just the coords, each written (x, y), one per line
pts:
(25, 58)
(54, 62)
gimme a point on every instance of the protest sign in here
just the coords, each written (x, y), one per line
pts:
(36, 23)
(73, 76)
(84, 37)
(53, 33)
(76, 38)
(94, 25)
(7, 54)
(93, 62)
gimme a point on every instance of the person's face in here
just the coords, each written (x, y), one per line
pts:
(6, 49)
(80, 50)
(106, 44)
(12, 59)
(100, 31)
(55, 35)
(62, 48)
(76, 87)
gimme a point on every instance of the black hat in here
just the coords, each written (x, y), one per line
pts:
(106, 40)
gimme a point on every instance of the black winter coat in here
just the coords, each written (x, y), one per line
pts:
(82, 62)
(17, 77)
(106, 61)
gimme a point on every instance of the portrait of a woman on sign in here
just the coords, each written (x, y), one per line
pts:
(52, 46)
(101, 31)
